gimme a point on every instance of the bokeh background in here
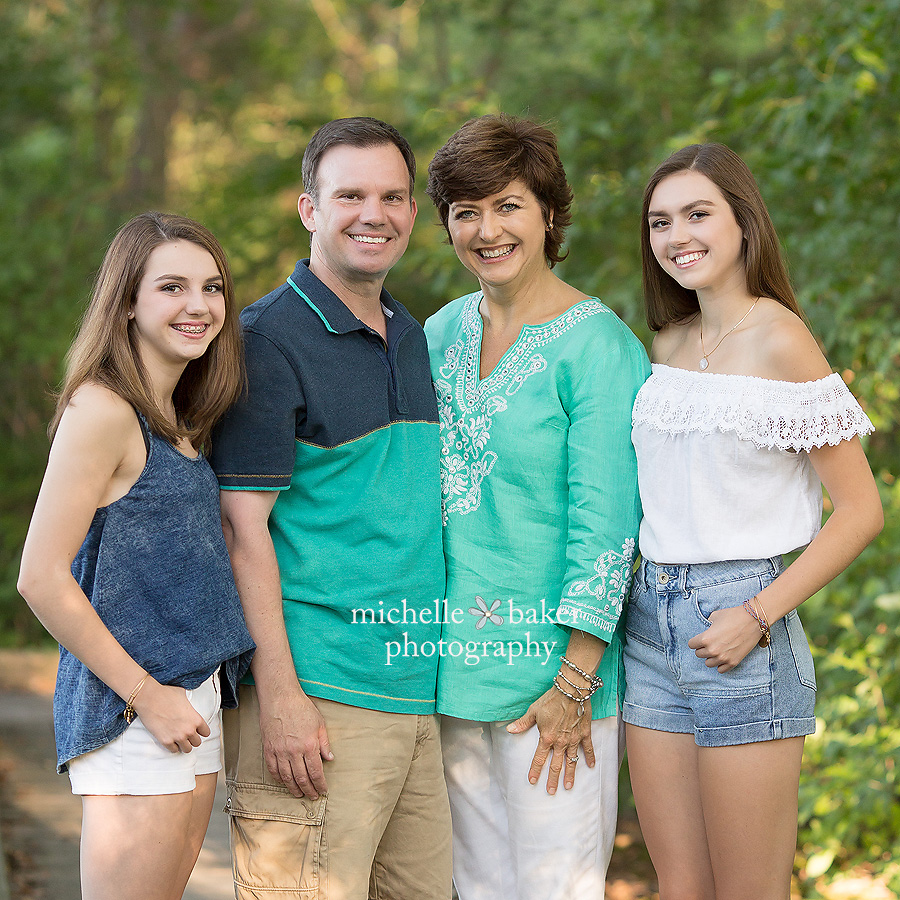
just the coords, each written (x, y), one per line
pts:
(203, 107)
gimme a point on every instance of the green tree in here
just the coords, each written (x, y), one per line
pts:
(108, 107)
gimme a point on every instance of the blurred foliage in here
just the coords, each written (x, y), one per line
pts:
(850, 790)
(110, 107)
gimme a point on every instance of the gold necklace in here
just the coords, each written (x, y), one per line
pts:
(704, 360)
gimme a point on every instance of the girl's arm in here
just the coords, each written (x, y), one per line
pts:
(856, 520)
(97, 454)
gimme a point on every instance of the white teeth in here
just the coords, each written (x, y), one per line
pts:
(368, 239)
(502, 251)
(685, 258)
(191, 329)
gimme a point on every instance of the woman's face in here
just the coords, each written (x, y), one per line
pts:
(180, 304)
(694, 234)
(500, 238)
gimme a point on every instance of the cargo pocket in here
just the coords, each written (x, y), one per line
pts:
(276, 842)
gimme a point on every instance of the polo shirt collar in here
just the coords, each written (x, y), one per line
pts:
(335, 315)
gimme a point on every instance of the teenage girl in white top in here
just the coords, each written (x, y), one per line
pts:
(736, 430)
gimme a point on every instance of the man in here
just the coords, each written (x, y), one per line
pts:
(331, 509)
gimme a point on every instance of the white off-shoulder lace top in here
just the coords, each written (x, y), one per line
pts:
(723, 463)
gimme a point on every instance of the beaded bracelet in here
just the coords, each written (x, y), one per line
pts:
(595, 680)
(579, 700)
(581, 691)
(761, 619)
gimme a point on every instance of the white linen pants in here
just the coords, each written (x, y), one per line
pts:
(511, 839)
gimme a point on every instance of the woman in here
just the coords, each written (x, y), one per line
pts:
(535, 384)
(736, 429)
(125, 562)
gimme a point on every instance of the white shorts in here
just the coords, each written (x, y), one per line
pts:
(136, 763)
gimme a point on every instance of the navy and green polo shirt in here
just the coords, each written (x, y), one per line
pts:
(346, 429)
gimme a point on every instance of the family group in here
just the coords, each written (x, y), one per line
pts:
(348, 532)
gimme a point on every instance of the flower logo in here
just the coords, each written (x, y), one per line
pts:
(485, 613)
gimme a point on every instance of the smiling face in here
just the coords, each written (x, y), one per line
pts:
(364, 215)
(179, 307)
(500, 238)
(694, 234)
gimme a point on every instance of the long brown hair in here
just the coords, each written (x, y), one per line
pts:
(665, 299)
(489, 152)
(105, 351)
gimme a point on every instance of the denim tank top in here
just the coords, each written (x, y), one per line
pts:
(155, 567)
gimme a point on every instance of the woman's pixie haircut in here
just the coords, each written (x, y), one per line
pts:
(489, 152)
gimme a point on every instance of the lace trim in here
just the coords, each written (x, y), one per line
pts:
(768, 413)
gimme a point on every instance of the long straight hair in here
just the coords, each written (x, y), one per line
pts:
(106, 352)
(665, 300)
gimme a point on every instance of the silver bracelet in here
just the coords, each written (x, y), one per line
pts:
(578, 700)
(585, 692)
(595, 680)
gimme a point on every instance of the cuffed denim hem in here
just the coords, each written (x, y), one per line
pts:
(769, 695)
(657, 719)
(753, 732)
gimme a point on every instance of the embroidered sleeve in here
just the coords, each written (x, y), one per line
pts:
(772, 414)
(604, 508)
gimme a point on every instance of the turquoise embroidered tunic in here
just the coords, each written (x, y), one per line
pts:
(540, 502)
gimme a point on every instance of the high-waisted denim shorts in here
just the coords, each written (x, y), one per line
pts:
(770, 694)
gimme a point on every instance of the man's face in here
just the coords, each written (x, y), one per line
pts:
(364, 216)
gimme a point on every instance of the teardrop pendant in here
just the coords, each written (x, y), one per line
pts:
(704, 362)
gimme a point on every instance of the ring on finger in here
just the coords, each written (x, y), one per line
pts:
(572, 759)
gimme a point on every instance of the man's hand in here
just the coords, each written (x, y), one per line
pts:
(292, 729)
(295, 742)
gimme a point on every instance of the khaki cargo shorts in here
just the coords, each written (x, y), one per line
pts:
(381, 832)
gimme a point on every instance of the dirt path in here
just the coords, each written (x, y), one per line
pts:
(40, 819)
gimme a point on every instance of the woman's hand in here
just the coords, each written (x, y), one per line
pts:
(562, 732)
(169, 716)
(731, 636)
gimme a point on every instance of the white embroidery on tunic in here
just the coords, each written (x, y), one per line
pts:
(465, 463)
(610, 585)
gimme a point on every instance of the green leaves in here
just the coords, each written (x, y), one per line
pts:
(850, 790)
(205, 108)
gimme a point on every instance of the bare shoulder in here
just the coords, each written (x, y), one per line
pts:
(100, 422)
(98, 444)
(95, 409)
(667, 340)
(787, 349)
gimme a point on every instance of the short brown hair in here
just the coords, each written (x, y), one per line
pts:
(665, 299)
(359, 131)
(489, 152)
(105, 351)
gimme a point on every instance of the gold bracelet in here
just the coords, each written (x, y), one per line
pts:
(129, 705)
(760, 617)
